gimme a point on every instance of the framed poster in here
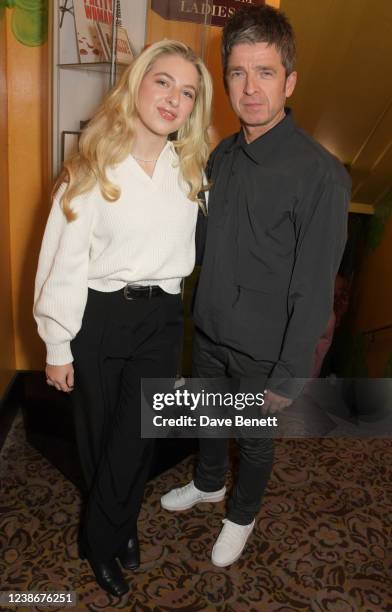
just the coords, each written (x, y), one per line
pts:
(69, 144)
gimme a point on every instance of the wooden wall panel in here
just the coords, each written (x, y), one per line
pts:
(7, 353)
(189, 33)
(29, 184)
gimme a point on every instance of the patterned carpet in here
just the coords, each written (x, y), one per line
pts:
(321, 542)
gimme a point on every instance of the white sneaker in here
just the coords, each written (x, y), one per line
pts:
(230, 543)
(188, 496)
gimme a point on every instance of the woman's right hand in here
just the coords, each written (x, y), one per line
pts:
(61, 377)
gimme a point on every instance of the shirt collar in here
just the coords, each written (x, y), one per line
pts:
(259, 149)
(170, 146)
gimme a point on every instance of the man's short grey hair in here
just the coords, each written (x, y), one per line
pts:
(253, 24)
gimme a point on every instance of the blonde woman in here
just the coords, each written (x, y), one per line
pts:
(119, 239)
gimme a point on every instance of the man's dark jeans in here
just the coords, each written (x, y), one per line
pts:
(211, 360)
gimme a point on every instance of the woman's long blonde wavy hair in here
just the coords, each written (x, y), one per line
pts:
(107, 140)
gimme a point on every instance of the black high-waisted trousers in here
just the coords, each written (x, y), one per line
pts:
(120, 342)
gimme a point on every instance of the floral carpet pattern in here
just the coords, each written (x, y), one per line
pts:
(322, 541)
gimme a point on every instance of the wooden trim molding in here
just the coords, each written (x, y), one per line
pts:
(361, 208)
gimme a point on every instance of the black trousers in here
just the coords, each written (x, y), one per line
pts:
(119, 343)
(211, 360)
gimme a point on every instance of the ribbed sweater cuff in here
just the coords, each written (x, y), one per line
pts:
(58, 354)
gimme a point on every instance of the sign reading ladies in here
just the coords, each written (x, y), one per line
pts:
(213, 12)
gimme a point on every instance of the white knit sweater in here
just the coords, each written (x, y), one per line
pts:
(145, 237)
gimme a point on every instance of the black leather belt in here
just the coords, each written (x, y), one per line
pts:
(134, 292)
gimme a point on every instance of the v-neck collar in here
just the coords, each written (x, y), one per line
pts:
(156, 175)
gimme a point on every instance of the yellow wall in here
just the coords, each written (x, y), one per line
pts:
(7, 354)
(29, 184)
(374, 302)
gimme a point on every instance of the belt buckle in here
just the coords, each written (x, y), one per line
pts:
(126, 295)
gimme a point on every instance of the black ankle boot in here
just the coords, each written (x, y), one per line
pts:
(109, 576)
(129, 555)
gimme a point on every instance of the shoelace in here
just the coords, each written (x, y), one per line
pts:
(231, 534)
(184, 490)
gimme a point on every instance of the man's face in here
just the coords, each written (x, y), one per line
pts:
(257, 86)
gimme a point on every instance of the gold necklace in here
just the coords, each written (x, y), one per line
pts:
(145, 161)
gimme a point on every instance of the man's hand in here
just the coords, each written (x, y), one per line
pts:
(61, 377)
(274, 403)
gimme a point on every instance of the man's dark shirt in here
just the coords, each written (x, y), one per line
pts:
(275, 236)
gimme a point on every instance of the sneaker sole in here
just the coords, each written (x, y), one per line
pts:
(213, 500)
(217, 564)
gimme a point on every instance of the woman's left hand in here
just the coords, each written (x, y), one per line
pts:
(61, 377)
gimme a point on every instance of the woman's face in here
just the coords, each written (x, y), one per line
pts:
(167, 94)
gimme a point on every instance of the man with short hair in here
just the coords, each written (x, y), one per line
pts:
(276, 233)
